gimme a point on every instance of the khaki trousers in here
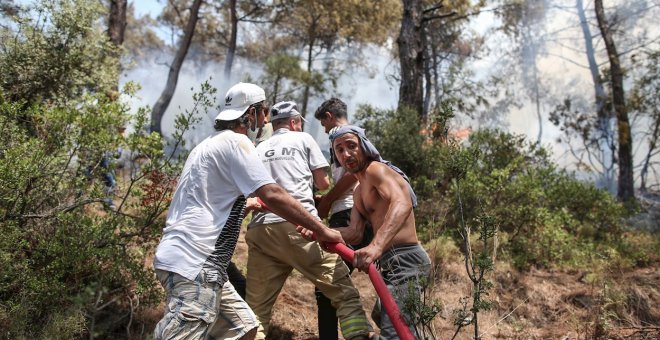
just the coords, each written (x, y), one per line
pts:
(274, 250)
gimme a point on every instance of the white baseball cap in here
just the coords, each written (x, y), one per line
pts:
(239, 98)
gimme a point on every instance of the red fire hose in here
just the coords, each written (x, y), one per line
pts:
(386, 299)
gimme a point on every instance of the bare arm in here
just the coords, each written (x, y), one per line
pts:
(321, 180)
(343, 184)
(282, 204)
(399, 207)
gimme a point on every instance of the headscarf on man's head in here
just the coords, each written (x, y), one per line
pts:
(370, 153)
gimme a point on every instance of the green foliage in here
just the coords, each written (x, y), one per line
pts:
(545, 217)
(477, 266)
(417, 303)
(62, 254)
(397, 135)
(283, 76)
(640, 248)
(71, 266)
(543, 212)
(57, 52)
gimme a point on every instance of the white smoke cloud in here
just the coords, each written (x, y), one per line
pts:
(558, 70)
(359, 87)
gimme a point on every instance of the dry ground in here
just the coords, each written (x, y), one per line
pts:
(538, 304)
(533, 305)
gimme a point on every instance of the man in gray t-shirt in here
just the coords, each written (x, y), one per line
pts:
(274, 246)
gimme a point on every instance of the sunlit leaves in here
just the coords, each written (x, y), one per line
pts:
(57, 52)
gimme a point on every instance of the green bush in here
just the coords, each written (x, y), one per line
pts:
(545, 216)
(397, 135)
(641, 248)
(57, 52)
(66, 259)
(73, 264)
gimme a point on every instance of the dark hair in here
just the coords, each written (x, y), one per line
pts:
(231, 124)
(220, 125)
(258, 106)
(334, 105)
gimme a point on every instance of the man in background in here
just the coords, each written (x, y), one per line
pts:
(337, 204)
(274, 246)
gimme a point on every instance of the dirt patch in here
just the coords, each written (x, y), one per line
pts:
(531, 305)
(538, 304)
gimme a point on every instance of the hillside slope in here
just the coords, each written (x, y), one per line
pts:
(535, 304)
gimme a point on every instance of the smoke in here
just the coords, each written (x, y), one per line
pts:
(359, 86)
(152, 77)
(560, 64)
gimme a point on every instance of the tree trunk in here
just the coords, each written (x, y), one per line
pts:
(626, 190)
(276, 88)
(537, 99)
(116, 30)
(429, 65)
(117, 21)
(653, 143)
(173, 76)
(306, 92)
(435, 61)
(604, 124)
(231, 49)
(411, 57)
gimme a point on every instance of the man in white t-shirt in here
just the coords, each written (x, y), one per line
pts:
(274, 246)
(203, 224)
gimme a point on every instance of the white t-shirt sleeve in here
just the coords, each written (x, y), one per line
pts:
(247, 170)
(316, 158)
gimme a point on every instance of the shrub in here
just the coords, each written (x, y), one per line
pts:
(56, 53)
(397, 136)
(442, 250)
(64, 257)
(545, 216)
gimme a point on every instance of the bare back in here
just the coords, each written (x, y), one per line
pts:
(383, 199)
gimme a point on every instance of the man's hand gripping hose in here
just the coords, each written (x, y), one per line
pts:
(386, 299)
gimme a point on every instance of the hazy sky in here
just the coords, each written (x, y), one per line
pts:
(151, 7)
(361, 87)
(557, 68)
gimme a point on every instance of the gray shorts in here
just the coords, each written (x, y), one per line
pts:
(402, 268)
(200, 309)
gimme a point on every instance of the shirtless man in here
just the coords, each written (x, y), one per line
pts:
(384, 199)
